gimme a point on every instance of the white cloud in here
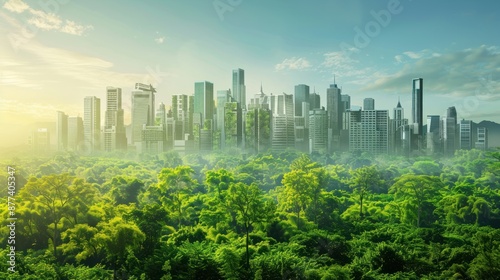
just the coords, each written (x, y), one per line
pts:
(470, 72)
(413, 55)
(293, 63)
(75, 29)
(46, 21)
(16, 6)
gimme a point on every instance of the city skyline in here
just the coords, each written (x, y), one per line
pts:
(54, 56)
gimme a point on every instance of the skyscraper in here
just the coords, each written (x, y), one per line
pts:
(318, 128)
(314, 101)
(180, 115)
(114, 128)
(92, 123)
(465, 135)
(62, 131)
(369, 104)
(204, 100)
(239, 90)
(143, 110)
(417, 105)
(368, 131)
(258, 124)
(433, 134)
(301, 95)
(75, 134)
(283, 134)
(223, 96)
(345, 99)
(334, 112)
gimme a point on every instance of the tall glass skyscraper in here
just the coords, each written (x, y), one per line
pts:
(204, 100)
(239, 90)
(301, 95)
(92, 123)
(417, 104)
(143, 110)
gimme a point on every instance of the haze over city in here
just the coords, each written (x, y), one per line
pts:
(54, 53)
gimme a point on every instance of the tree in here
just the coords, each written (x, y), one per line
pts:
(415, 191)
(56, 196)
(295, 194)
(248, 203)
(174, 184)
(363, 181)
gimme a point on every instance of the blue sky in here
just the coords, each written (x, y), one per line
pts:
(53, 53)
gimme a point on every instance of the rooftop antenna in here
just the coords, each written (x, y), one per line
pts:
(334, 79)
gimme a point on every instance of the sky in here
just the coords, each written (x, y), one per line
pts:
(53, 53)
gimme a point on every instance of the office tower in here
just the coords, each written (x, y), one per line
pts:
(452, 113)
(369, 104)
(482, 138)
(345, 99)
(161, 115)
(283, 135)
(232, 125)
(417, 105)
(397, 125)
(223, 96)
(314, 101)
(143, 111)
(40, 141)
(318, 130)
(465, 135)
(62, 131)
(204, 100)
(92, 123)
(302, 129)
(301, 95)
(334, 111)
(75, 134)
(239, 90)
(114, 137)
(434, 143)
(449, 135)
(368, 131)
(180, 115)
(258, 124)
(153, 139)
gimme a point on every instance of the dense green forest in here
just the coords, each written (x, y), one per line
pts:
(268, 216)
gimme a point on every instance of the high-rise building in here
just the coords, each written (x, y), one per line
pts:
(232, 125)
(152, 139)
(465, 135)
(368, 131)
(434, 142)
(334, 111)
(239, 90)
(92, 123)
(345, 99)
(302, 129)
(368, 104)
(223, 96)
(283, 130)
(40, 141)
(397, 125)
(75, 134)
(180, 115)
(449, 135)
(314, 101)
(417, 105)
(143, 111)
(258, 124)
(301, 95)
(62, 131)
(318, 128)
(204, 100)
(482, 138)
(114, 128)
